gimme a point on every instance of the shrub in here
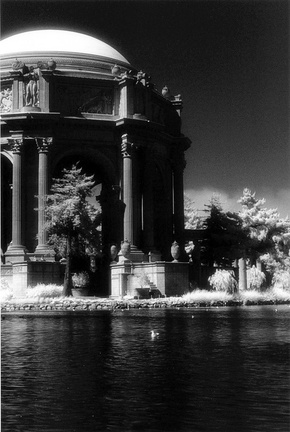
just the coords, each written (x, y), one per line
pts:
(256, 278)
(223, 280)
(281, 279)
(46, 291)
(205, 296)
(6, 292)
(81, 279)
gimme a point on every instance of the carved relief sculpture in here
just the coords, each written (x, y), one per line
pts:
(102, 103)
(77, 100)
(6, 100)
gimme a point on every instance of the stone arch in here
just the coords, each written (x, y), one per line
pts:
(94, 156)
(95, 162)
(162, 208)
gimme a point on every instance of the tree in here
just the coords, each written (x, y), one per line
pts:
(267, 230)
(224, 237)
(191, 218)
(72, 221)
(269, 234)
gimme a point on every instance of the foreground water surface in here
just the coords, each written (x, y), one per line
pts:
(219, 369)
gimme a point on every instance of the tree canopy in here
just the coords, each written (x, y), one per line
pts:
(269, 233)
(224, 238)
(72, 221)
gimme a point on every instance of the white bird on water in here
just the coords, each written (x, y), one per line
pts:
(154, 334)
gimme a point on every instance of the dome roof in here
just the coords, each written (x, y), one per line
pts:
(58, 41)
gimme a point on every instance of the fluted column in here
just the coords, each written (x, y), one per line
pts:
(42, 147)
(128, 149)
(16, 251)
(242, 274)
(178, 167)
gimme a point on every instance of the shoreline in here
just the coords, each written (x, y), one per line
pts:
(94, 303)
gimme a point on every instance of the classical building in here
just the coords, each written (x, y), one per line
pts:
(68, 97)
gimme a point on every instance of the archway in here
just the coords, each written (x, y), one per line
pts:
(104, 196)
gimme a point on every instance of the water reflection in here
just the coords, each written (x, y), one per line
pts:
(208, 370)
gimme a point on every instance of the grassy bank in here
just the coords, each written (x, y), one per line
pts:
(48, 298)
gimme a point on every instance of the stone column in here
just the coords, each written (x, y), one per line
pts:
(128, 198)
(127, 149)
(178, 167)
(42, 147)
(242, 274)
(16, 251)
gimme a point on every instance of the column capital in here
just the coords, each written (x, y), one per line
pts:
(43, 144)
(127, 146)
(16, 144)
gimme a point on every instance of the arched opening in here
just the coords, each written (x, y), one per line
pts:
(105, 197)
(162, 211)
(6, 202)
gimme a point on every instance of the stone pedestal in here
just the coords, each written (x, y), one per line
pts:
(31, 273)
(164, 278)
(119, 278)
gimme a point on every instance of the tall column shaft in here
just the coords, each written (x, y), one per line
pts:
(16, 251)
(130, 225)
(179, 199)
(242, 274)
(42, 147)
(16, 198)
(128, 189)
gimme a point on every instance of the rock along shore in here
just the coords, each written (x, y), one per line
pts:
(93, 303)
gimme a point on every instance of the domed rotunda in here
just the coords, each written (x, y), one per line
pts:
(68, 97)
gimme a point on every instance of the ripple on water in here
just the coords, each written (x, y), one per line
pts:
(226, 369)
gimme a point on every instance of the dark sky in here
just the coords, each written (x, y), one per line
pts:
(227, 59)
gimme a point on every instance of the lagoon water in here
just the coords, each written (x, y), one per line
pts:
(219, 369)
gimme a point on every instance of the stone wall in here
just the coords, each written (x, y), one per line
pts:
(155, 279)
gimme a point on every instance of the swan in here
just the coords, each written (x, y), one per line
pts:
(154, 334)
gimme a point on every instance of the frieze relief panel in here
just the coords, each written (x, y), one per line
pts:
(76, 100)
(6, 99)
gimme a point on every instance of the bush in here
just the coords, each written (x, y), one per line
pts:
(81, 279)
(256, 278)
(41, 290)
(6, 292)
(281, 279)
(223, 280)
(204, 296)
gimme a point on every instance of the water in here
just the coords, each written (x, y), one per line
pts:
(222, 369)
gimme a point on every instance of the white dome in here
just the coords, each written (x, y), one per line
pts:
(48, 41)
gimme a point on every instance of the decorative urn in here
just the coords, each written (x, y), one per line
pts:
(126, 249)
(113, 253)
(116, 70)
(51, 64)
(166, 92)
(175, 251)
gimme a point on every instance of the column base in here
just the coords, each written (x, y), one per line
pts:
(44, 253)
(136, 255)
(154, 255)
(17, 253)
